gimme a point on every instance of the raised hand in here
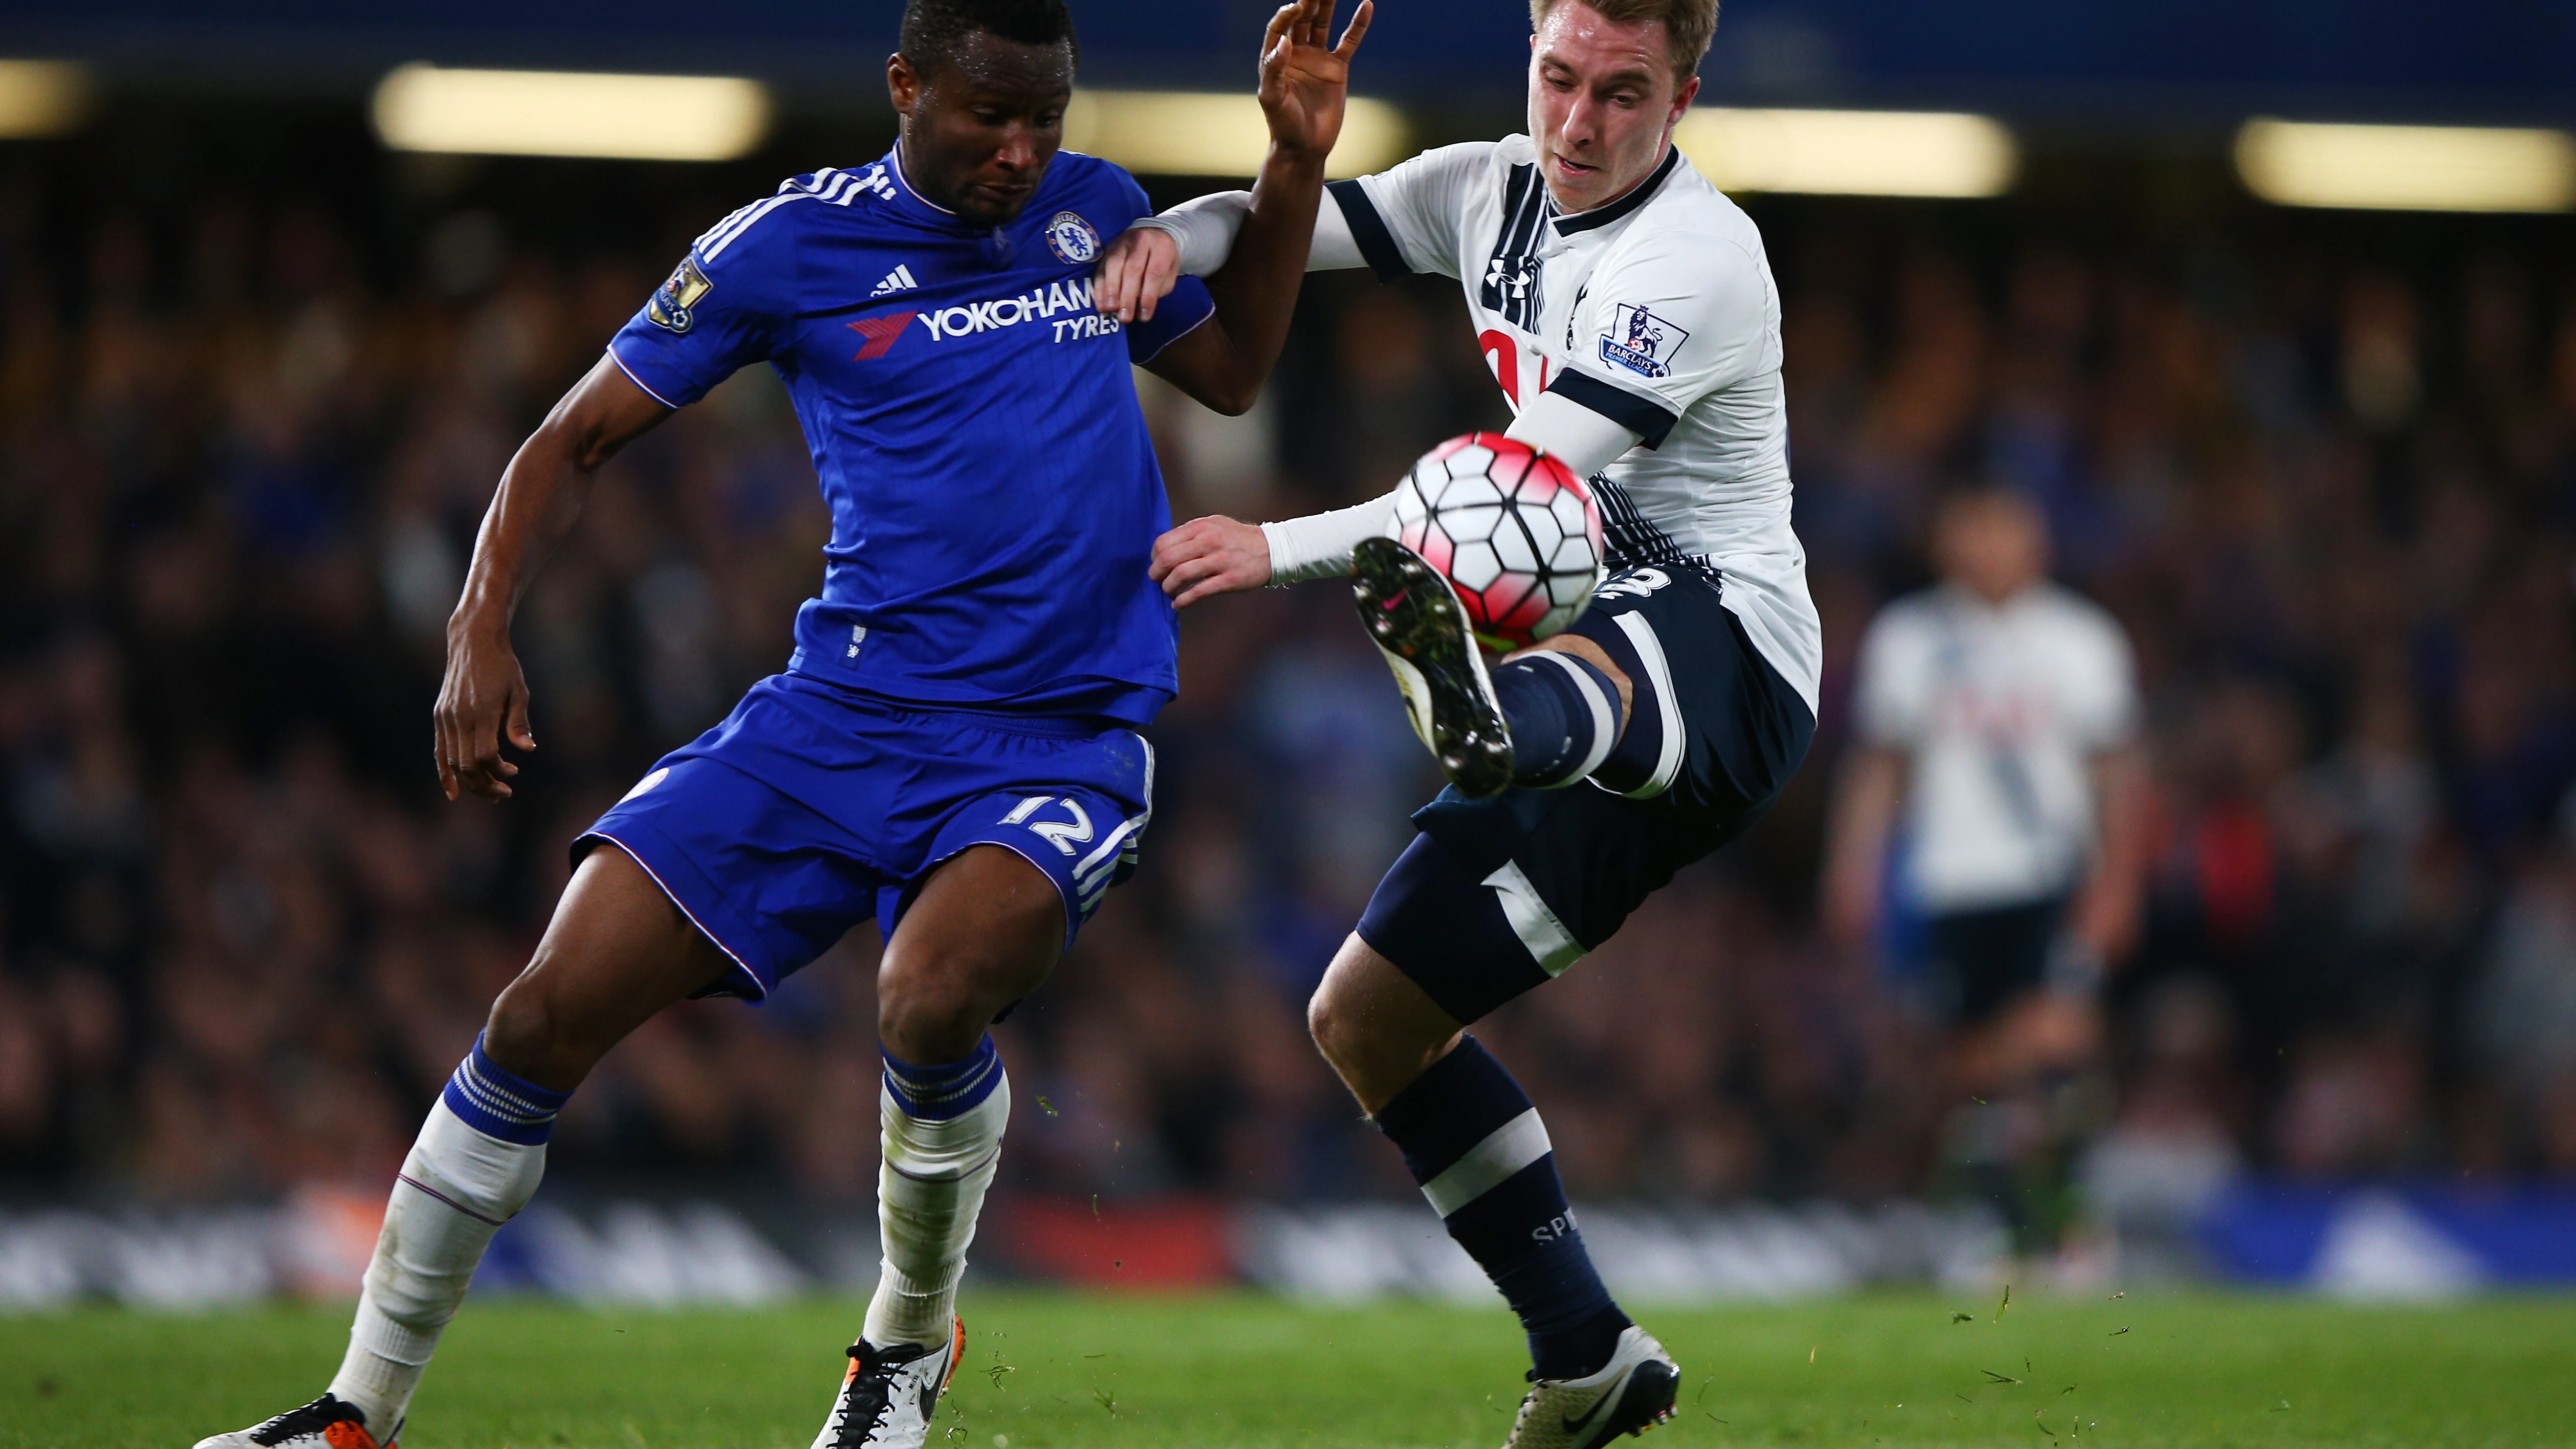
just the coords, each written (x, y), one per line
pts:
(1305, 78)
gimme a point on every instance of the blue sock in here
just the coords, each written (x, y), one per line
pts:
(1564, 716)
(500, 1105)
(1472, 1140)
(951, 1089)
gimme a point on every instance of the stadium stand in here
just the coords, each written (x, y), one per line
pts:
(2325, 474)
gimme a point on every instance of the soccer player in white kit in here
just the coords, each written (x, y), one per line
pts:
(1628, 312)
(1995, 720)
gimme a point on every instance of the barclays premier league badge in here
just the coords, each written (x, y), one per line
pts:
(1071, 238)
(671, 307)
(1642, 342)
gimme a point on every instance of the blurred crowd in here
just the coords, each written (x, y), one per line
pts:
(245, 440)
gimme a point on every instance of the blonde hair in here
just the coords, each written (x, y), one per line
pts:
(1689, 25)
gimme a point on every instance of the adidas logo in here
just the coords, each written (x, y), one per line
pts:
(898, 280)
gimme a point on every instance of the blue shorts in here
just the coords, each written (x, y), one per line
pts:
(812, 807)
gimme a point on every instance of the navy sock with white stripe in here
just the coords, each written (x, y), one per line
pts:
(1563, 714)
(1472, 1140)
(499, 1104)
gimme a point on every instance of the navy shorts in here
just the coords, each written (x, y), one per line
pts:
(1981, 961)
(1498, 895)
(811, 808)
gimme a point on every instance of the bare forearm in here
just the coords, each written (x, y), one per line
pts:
(1256, 290)
(543, 490)
(1865, 811)
(2114, 897)
(540, 497)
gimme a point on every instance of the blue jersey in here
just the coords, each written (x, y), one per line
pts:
(973, 423)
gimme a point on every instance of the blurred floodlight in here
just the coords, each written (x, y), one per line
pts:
(1188, 133)
(2407, 168)
(41, 97)
(570, 113)
(1850, 153)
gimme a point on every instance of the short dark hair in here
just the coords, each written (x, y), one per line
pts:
(934, 30)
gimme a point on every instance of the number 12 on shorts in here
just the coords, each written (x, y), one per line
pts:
(1062, 835)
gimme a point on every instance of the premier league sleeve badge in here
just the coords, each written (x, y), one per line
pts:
(672, 304)
(1641, 342)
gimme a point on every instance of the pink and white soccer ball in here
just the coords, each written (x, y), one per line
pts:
(1512, 529)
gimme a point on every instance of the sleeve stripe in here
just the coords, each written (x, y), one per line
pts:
(1649, 420)
(1369, 229)
(1166, 346)
(828, 184)
(639, 382)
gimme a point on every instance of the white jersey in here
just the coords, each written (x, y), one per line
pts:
(2001, 711)
(1657, 312)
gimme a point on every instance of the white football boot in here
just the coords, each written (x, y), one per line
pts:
(889, 1394)
(1422, 630)
(326, 1423)
(1631, 1394)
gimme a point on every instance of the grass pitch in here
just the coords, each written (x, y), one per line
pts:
(1058, 1371)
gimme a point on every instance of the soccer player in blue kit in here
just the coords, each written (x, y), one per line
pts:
(952, 747)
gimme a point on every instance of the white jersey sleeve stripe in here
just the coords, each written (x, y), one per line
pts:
(713, 244)
(829, 184)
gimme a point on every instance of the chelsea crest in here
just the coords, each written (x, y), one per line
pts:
(1071, 238)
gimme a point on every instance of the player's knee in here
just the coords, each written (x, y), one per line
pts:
(930, 1009)
(529, 1034)
(1337, 1021)
(1327, 1023)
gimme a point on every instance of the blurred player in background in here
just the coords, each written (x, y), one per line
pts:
(1628, 311)
(1995, 726)
(952, 749)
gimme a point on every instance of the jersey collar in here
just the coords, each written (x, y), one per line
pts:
(1638, 195)
(921, 206)
(996, 241)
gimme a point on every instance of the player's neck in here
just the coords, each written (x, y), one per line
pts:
(1644, 178)
(903, 175)
(1992, 599)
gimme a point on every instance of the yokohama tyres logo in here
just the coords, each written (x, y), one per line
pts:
(881, 331)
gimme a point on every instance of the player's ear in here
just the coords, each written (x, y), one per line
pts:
(903, 84)
(1682, 100)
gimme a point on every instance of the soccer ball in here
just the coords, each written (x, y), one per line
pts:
(1512, 529)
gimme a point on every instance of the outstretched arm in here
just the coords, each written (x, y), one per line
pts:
(1305, 81)
(484, 699)
(1196, 239)
(1218, 555)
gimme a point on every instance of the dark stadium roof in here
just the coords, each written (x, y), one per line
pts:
(2169, 60)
